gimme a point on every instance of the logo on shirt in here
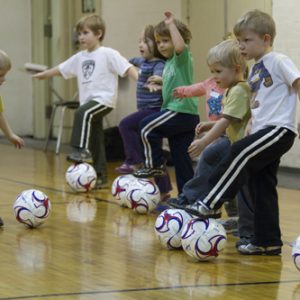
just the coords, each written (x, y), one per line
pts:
(88, 67)
(214, 104)
(259, 75)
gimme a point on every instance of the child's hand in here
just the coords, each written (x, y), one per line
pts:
(179, 92)
(17, 141)
(169, 18)
(155, 79)
(153, 87)
(202, 127)
(196, 148)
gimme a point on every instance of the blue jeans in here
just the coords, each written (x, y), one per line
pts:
(209, 158)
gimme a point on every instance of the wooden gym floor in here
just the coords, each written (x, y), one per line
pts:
(90, 248)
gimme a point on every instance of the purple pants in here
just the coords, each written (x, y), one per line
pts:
(133, 147)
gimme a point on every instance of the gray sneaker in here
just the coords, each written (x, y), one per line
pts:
(244, 240)
(101, 183)
(230, 224)
(80, 156)
(251, 249)
(200, 210)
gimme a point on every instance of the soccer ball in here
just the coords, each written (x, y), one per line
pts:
(32, 207)
(81, 177)
(142, 195)
(296, 253)
(119, 188)
(169, 225)
(203, 239)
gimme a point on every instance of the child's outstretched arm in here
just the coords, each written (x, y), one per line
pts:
(9, 134)
(48, 73)
(186, 91)
(132, 72)
(175, 34)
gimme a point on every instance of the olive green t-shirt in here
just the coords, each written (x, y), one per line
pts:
(237, 108)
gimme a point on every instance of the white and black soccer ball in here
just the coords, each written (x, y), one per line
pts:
(169, 225)
(81, 177)
(203, 239)
(142, 195)
(296, 253)
(119, 188)
(32, 208)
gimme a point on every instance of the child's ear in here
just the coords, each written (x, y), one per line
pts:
(100, 33)
(267, 38)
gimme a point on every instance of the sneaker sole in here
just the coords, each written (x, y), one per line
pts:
(179, 206)
(201, 216)
(273, 252)
(79, 161)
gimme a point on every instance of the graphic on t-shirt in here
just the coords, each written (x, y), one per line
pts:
(259, 74)
(214, 104)
(88, 67)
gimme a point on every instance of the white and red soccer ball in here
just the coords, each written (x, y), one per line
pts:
(119, 188)
(81, 177)
(32, 208)
(142, 195)
(296, 253)
(169, 225)
(203, 239)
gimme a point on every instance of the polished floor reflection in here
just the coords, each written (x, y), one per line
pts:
(90, 248)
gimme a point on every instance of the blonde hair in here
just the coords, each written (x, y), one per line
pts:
(227, 54)
(163, 30)
(5, 62)
(258, 22)
(94, 22)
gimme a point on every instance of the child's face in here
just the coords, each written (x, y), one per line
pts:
(252, 45)
(146, 48)
(88, 40)
(224, 77)
(2, 76)
(165, 46)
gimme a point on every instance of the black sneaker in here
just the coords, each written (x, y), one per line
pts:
(251, 249)
(200, 210)
(180, 202)
(1, 222)
(149, 172)
(80, 156)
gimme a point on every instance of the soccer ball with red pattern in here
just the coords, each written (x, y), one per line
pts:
(81, 177)
(296, 253)
(142, 195)
(119, 189)
(169, 225)
(32, 208)
(203, 239)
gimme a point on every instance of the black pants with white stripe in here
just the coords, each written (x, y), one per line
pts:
(179, 128)
(88, 132)
(255, 159)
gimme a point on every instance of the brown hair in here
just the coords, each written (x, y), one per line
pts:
(94, 22)
(149, 34)
(258, 22)
(163, 30)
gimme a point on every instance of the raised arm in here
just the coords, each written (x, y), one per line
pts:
(175, 34)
